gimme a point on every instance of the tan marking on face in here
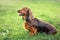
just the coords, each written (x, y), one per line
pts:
(23, 12)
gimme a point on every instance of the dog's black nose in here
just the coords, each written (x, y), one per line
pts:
(18, 11)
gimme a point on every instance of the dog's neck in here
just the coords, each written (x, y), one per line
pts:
(29, 18)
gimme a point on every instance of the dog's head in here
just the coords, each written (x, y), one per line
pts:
(24, 12)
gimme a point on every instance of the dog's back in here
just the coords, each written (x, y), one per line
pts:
(43, 26)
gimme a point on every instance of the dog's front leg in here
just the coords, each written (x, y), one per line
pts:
(33, 31)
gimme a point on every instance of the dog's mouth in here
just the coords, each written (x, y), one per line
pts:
(20, 14)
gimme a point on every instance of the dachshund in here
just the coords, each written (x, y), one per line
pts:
(35, 25)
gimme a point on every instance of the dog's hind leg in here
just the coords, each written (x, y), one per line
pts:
(52, 32)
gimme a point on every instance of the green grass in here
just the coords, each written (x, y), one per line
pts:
(12, 27)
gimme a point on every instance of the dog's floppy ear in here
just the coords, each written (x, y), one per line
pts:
(28, 12)
(27, 17)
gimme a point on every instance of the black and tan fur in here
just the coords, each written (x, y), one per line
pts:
(33, 24)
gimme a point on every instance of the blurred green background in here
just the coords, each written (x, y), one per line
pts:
(12, 25)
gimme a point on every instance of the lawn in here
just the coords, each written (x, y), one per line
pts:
(12, 25)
